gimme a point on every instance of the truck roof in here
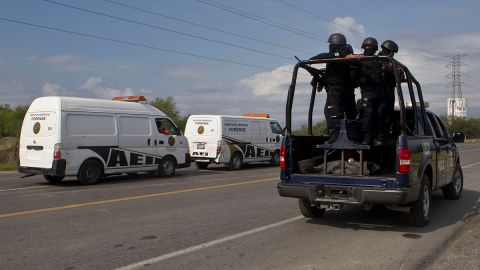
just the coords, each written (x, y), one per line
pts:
(94, 105)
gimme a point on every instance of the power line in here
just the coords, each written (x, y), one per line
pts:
(315, 15)
(205, 26)
(260, 19)
(165, 29)
(137, 44)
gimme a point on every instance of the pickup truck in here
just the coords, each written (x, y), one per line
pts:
(400, 175)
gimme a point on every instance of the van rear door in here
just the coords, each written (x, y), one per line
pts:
(38, 138)
(203, 136)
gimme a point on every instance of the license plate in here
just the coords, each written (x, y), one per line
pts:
(200, 146)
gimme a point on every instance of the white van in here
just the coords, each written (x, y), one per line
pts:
(89, 138)
(233, 140)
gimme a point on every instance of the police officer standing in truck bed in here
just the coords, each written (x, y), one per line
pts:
(371, 82)
(386, 109)
(337, 80)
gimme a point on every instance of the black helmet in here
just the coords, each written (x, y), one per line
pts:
(337, 39)
(370, 41)
(348, 49)
(390, 45)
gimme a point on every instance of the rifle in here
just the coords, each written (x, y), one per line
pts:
(318, 75)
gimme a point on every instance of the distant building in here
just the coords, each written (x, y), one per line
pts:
(457, 107)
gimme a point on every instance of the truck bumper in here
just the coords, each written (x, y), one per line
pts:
(57, 169)
(343, 194)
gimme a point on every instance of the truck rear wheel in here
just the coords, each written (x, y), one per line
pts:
(420, 211)
(236, 162)
(52, 179)
(201, 165)
(90, 172)
(310, 211)
(166, 168)
(453, 191)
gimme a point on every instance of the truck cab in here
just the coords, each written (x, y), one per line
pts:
(401, 175)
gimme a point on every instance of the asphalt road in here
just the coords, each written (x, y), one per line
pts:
(213, 219)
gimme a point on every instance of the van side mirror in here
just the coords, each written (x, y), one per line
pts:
(178, 131)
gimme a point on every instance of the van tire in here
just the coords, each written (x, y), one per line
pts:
(52, 179)
(166, 168)
(236, 161)
(202, 165)
(310, 211)
(453, 191)
(275, 161)
(90, 172)
(419, 215)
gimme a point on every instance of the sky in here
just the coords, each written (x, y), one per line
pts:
(215, 61)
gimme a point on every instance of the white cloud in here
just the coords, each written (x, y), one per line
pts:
(98, 87)
(51, 89)
(346, 25)
(58, 59)
(184, 72)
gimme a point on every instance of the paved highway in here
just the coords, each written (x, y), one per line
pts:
(213, 219)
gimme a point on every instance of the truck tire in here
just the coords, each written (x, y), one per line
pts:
(52, 179)
(420, 210)
(275, 161)
(236, 162)
(201, 165)
(310, 211)
(453, 191)
(166, 168)
(90, 172)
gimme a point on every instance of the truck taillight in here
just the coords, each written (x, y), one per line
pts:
(403, 160)
(282, 157)
(56, 151)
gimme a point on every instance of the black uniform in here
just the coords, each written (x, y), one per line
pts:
(371, 82)
(337, 84)
(386, 108)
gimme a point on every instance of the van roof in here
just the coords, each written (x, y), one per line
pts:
(95, 105)
(231, 116)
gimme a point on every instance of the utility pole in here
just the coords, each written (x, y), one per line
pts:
(457, 105)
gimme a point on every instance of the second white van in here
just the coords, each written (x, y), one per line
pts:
(233, 140)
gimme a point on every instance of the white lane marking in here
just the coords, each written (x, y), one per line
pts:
(13, 189)
(470, 165)
(205, 245)
(470, 150)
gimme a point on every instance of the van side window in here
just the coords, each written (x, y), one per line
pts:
(135, 126)
(255, 128)
(166, 127)
(263, 127)
(276, 129)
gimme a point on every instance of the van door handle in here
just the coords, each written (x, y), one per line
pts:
(266, 139)
(148, 142)
(155, 142)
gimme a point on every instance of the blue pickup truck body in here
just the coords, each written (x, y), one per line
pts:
(422, 158)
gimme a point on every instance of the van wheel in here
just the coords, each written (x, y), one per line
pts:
(236, 162)
(201, 165)
(52, 179)
(275, 161)
(310, 211)
(90, 172)
(453, 191)
(166, 168)
(420, 211)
